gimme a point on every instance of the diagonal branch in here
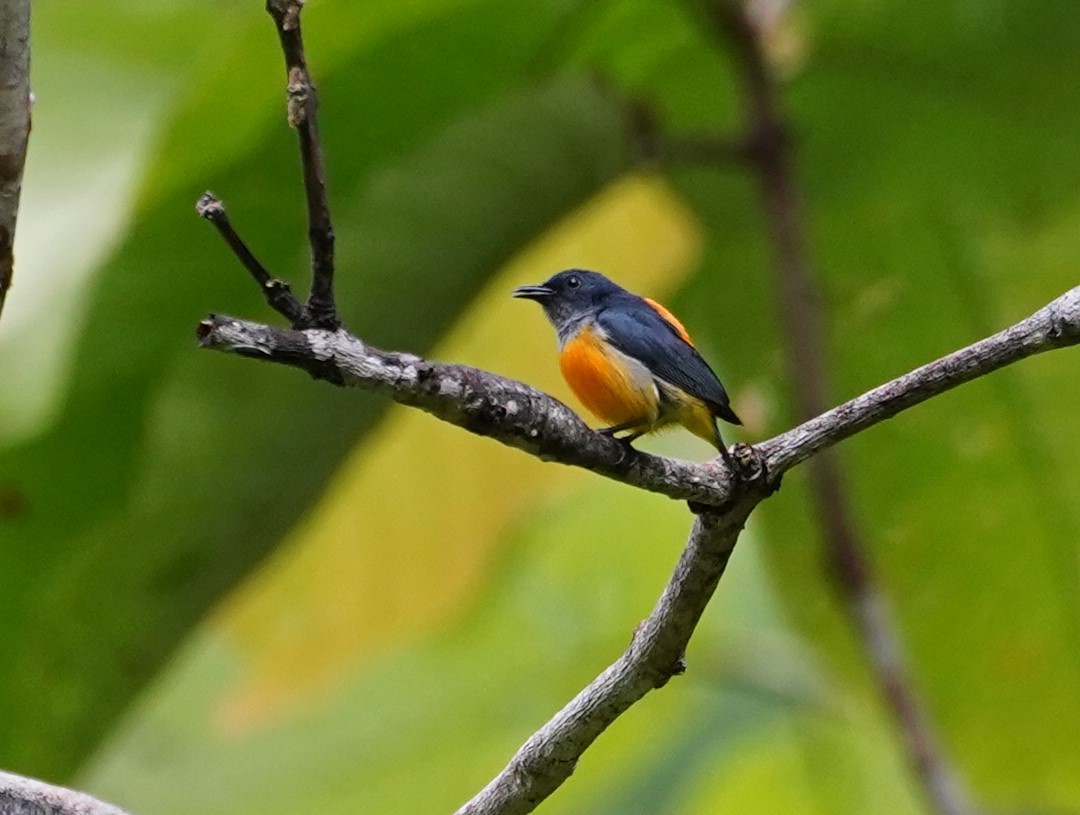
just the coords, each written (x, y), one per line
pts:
(1055, 325)
(550, 755)
(277, 292)
(655, 654)
(302, 109)
(14, 126)
(28, 796)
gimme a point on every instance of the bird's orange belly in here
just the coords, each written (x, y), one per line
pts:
(613, 387)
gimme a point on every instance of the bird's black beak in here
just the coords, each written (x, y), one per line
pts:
(533, 292)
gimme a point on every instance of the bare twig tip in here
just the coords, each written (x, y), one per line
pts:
(285, 12)
(209, 206)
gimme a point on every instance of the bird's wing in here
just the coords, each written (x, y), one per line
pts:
(643, 332)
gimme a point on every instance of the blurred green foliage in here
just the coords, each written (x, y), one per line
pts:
(936, 146)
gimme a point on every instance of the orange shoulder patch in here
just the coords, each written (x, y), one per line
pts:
(670, 319)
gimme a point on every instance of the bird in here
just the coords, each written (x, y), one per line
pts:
(629, 360)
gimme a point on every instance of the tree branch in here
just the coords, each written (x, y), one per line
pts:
(302, 109)
(520, 416)
(655, 654)
(1055, 325)
(28, 796)
(14, 126)
(277, 292)
(530, 420)
(523, 417)
(511, 412)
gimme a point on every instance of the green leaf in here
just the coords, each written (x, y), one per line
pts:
(171, 472)
(426, 723)
(936, 154)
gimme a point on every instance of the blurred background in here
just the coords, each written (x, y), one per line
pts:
(226, 588)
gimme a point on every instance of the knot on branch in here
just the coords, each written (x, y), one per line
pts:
(752, 468)
(539, 771)
(203, 331)
(1064, 317)
(664, 673)
(286, 13)
(300, 96)
(657, 667)
(277, 292)
(749, 472)
(317, 314)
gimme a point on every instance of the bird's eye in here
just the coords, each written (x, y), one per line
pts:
(573, 281)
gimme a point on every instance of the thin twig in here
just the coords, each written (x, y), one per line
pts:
(28, 796)
(278, 295)
(302, 114)
(14, 126)
(802, 322)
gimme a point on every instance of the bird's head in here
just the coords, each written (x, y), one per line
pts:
(570, 296)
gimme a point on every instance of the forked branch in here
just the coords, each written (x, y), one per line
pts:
(518, 415)
(277, 292)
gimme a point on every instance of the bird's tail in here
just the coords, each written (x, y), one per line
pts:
(724, 411)
(718, 440)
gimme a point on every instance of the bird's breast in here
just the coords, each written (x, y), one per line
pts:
(613, 386)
